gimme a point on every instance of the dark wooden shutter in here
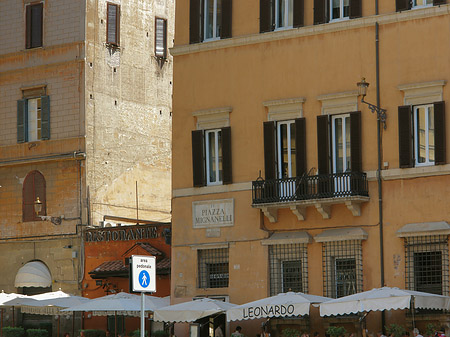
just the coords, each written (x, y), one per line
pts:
(402, 5)
(227, 16)
(355, 141)
(194, 22)
(22, 108)
(323, 144)
(300, 146)
(319, 11)
(439, 2)
(299, 13)
(266, 9)
(269, 150)
(34, 25)
(405, 136)
(355, 9)
(45, 117)
(439, 133)
(112, 26)
(226, 155)
(198, 159)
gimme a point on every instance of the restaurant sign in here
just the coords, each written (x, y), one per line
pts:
(213, 213)
(127, 233)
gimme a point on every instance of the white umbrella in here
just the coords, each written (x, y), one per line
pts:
(121, 303)
(191, 311)
(386, 298)
(5, 297)
(281, 305)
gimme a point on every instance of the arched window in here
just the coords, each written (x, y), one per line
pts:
(33, 188)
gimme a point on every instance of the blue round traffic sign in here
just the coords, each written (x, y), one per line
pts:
(144, 279)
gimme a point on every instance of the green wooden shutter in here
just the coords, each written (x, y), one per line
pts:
(405, 147)
(45, 117)
(402, 5)
(226, 155)
(266, 16)
(323, 144)
(227, 18)
(269, 150)
(355, 141)
(194, 21)
(298, 13)
(22, 132)
(355, 9)
(320, 11)
(198, 158)
(300, 146)
(439, 133)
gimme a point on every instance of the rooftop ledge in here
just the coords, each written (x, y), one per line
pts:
(330, 27)
(322, 205)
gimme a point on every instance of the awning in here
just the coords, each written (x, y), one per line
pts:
(424, 228)
(341, 234)
(287, 238)
(33, 274)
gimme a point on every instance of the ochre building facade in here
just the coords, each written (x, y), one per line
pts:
(275, 156)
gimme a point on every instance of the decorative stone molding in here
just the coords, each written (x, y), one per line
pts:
(422, 93)
(340, 102)
(285, 238)
(341, 234)
(284, 109)
(213, 118)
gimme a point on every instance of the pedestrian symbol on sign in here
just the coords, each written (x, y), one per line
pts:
(144, 279)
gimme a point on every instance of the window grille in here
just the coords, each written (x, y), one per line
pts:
(213, 268)
(427, 264)
(288, 268)
(342, 267)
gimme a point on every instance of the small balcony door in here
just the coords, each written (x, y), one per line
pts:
(341, 151)
(286, 156)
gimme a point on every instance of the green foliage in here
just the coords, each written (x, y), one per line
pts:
(290, 333)
(431, 329)
(37, 333)
(137, 333)
(9, 331)
(336, 331)
(395, 330)
(94, 333)
(160, 333)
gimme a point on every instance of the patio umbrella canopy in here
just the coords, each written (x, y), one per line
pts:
(121, 303)
(5, 297)
(281, 305)
(386, 298)
(191, 311)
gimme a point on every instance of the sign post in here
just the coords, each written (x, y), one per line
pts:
(143, 280)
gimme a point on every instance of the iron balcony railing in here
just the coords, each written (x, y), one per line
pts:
(310, 187)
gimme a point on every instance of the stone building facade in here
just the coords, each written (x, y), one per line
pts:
(85, 103)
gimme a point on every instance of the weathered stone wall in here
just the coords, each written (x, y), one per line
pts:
(128, 109)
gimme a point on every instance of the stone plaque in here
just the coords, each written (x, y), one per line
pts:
(213, 213)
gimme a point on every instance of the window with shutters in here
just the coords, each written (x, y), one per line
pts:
(34, 25)
(161, 38)
(33, 119)
(421, 3)
(113, 24)
(288, 268)
(421, 135)
(211, 156)
(339, 9)
(427, 263)
(213, 268)
(33, 188)
(210, 20)
(284, 13)
(280, 14)
(403, 5)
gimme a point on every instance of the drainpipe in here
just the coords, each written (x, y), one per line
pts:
(379, 147)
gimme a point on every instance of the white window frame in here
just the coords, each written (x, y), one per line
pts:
(341, 11)
(344, 142)
(285, 15)
(415, 6)
(428, 108)
(279, 149)
(34, 119)
(215, 33)
(216, 162)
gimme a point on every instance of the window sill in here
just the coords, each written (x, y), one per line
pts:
(410, 173)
